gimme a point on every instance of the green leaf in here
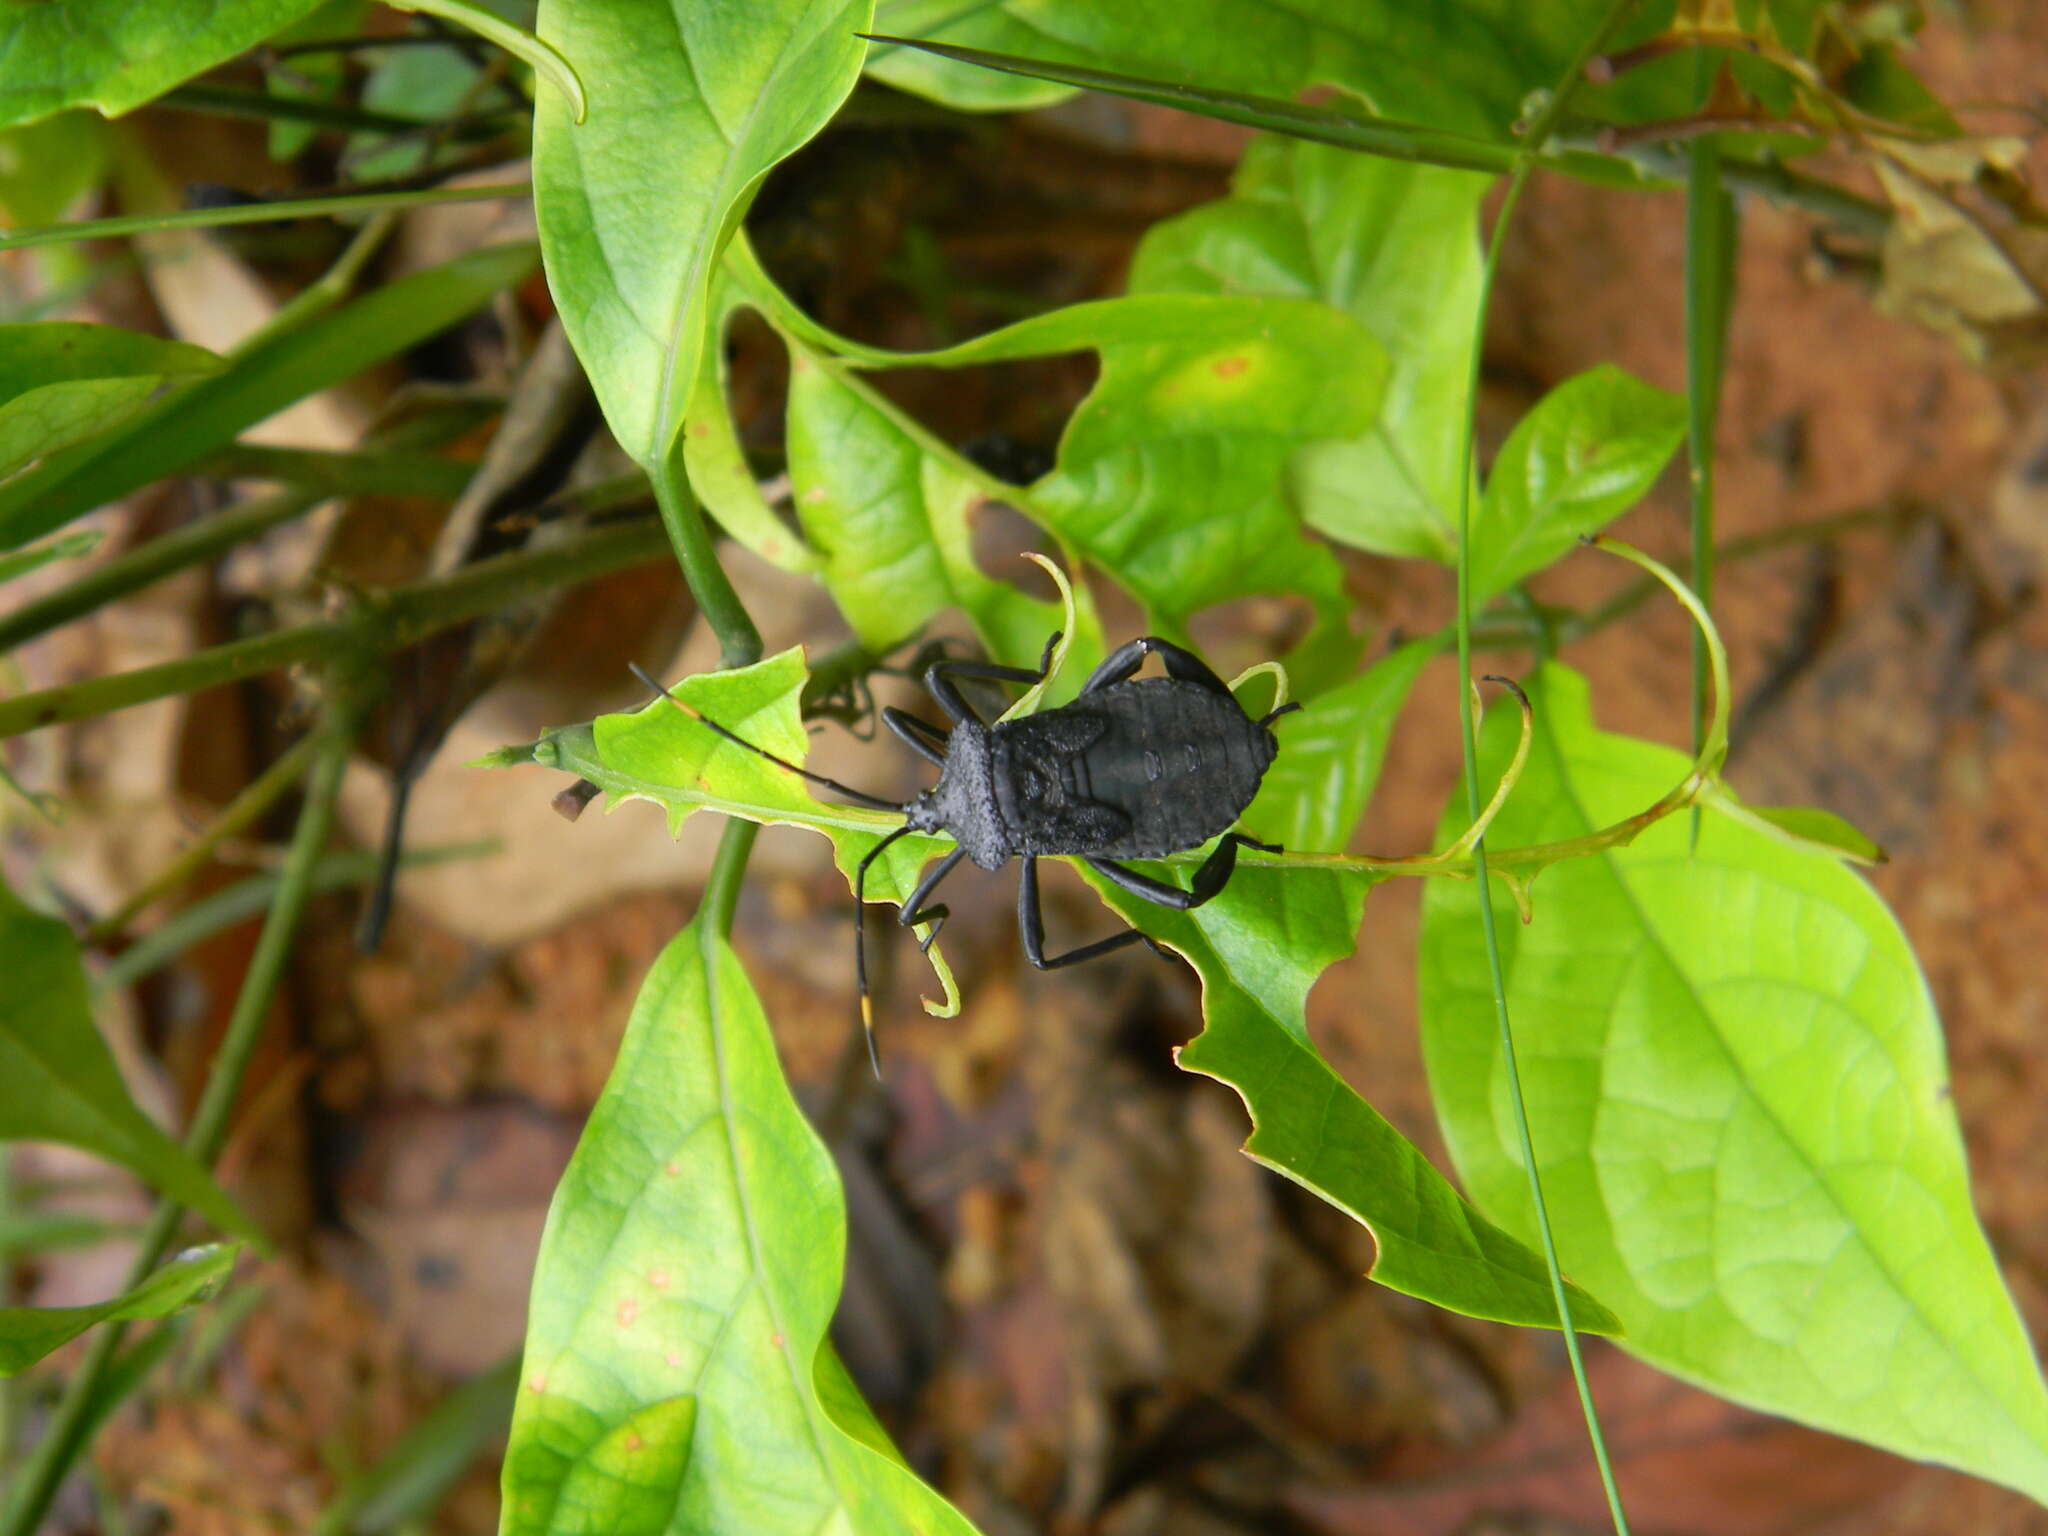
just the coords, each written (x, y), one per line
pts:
(115, 55)
(689, 1270)
(1171, 474)
(1735, 1082)
(960, 86)
(660, 754)
(1259, 947)
(691, 106)
(1330, 755)
(1464, 67)
(69, 546)
(58, 1081)
(61, 381)
(1587, 452)
(187, 424)
(889, 511)
(1395, 246)
(27, 1334)
(1169, 477)
(1799, 826)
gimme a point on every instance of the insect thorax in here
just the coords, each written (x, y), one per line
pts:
(963, 801)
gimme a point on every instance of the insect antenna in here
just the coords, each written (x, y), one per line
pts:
(860, 946)
(859, 797)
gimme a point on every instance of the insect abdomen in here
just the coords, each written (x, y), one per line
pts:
(1176, 762)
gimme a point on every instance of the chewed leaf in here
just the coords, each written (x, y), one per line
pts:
(1259, 947)
(658, 753)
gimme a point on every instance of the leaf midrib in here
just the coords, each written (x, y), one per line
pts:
(711, 950)
(1654, 938)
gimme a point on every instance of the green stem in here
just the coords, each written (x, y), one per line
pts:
(252, 213)
(363, 473)
(728, 871)
(249, 898)
(739, 640)
(1532, 146)
(385, 622)
(230, 101)
(194, 544)
(65, 1438)
(1709, 280)
(212, 537)
(240, 814)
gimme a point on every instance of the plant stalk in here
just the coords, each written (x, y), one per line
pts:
(681, 514)
(252, 213)
(1545, 124)
(69, 1425)
(385, 622)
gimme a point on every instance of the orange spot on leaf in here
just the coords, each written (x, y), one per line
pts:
(629, 1310)
(1231, 367)
(659, 1279)
(634, 1442)
(775, 1339)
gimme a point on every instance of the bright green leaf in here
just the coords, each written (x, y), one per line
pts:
(691, 106)
(61, 381)
(662, 755)
(1170, 475)
(1799, 826)
(27, 1334)
(1259, 947)
(891, 513)
(693, 1256)
(1735, 1083)
(1330, 755)
(116, 55)
(189, 423)
(58, 1081)
(1397, 247)
(1587, 452)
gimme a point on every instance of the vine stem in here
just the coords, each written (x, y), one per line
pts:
(1709, 275)
(1525, 163)
(71, 1425)
(739, 643)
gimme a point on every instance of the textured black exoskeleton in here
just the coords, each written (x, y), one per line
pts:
(1134, 768)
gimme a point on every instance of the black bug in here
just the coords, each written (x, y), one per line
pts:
(1133, 768)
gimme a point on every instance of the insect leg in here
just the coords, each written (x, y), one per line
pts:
(1123, 663)
(1032, 926)
(938, 679)
(1213, 874)
(915, 911)
(921, 736)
